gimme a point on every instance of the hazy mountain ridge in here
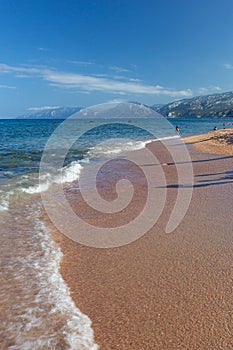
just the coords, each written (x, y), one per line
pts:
(105, 110)
(118, 109)
(216, 106)
(51, 113)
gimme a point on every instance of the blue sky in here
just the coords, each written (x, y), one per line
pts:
(83, 52)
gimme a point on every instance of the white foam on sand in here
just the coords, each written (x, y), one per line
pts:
(116, 146)
(50, 320)
(4, 200)
(113, 147)
(68, 174)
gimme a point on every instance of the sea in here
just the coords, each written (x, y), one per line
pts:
(37, 311)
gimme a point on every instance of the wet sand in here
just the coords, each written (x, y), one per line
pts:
(163, 291)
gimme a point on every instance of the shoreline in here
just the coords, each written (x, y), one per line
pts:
(213, 142)
(163, 291)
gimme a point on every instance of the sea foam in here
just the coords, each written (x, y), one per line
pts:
(43, 315)
(68, 174)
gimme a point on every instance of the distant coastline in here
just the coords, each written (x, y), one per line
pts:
(206, 106)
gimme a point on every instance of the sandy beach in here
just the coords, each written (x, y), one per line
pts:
(215, 142)
(163, 291)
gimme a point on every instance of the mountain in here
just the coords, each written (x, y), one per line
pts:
(217, 105)
(50, 113)
(116, 109)
(157, 106)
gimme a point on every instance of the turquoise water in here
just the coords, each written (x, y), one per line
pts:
(22, 141)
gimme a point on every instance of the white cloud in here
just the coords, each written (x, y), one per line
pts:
(5, 68)
(119, 69)
(93, 83)
(203, 90)
(134, 79)
(21, 75)
(228, 66)
(44, 108)
(119, 77)
(82, 63)
(43, 49)
(209, 90)
(217, 88)
(100, 75)
(7, 87)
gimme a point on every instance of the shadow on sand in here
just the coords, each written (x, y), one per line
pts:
(219, 179)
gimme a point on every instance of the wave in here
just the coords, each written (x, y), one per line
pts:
(165, 138)
(4, 200)
(111, 148)
(43, 314)
(117, 146)
(69, 173)
(34, 184)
